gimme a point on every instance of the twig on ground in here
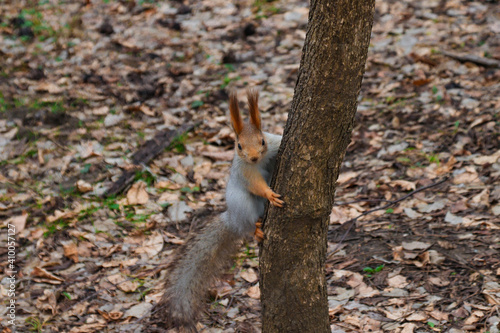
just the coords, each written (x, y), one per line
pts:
(352, 221)
(359, 200)
(146, 153)
(485, 62)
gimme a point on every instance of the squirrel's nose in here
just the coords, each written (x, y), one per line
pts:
(254, 159)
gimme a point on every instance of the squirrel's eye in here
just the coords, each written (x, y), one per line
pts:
(263, 142)
(239, 146)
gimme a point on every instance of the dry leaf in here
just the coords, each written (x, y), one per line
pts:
(137, 194)
(417, 316)
(47, 301)
(151, 245)
(408, 328)
(19, 222)
(482, 160)
(220, 156)
(438, 315)
(61, 215)
(438, 281)
(435, 257)
(83, 186)
(469, 176)
(125, 284)
(41, 275)
(253, 292)
(101, 111)
(411, 213)
(404, 184)
(346, 176)
(481, 199)
(221, 289)
(397, 281)
(71, 251)
(249, 275)
(474, 318)
(491, 290)
(49, 87)
(415, 246)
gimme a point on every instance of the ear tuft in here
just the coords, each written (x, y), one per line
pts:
(234, 110)
(253, 106)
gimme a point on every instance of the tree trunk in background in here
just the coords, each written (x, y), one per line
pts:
(317, 133)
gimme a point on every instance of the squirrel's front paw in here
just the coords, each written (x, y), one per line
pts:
(273, 199)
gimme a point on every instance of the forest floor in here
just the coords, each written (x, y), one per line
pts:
(84, 84)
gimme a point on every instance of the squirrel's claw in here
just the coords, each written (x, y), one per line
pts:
(273, 199)
(258, 233)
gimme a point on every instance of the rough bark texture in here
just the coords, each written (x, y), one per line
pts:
(317, 133)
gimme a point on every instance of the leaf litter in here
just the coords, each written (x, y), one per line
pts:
(84, 84)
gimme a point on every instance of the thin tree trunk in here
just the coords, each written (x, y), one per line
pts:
(317, 133)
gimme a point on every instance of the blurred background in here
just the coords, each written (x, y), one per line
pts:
(84, 84)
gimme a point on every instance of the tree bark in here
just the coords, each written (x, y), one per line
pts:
(317, 133)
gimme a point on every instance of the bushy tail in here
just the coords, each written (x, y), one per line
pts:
(194, 271)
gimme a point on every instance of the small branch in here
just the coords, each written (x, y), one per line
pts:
(351, 222)
(359, 200)
(485, 62)
(149, 150)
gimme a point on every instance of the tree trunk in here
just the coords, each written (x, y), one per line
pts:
(317, 133)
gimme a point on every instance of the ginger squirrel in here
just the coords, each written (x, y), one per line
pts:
(205, 257)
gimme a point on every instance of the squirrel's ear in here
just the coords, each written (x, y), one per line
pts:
(235, 113)
(253, 106)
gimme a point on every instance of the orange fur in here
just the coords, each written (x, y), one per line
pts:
(235, 113)
(253, 106)
(257, 185)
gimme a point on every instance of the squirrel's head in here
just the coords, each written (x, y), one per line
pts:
(250, 143)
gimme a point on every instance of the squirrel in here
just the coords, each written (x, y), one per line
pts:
(205, 257)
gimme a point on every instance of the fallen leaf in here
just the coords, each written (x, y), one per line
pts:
(83, 186)
(435, 257)
(61, 215)
(427, 208)
(411, 213)
(19, 222)
(496, 210)
(123, 283)
(151, 245)
(249, 275)
(220, 156)
(467, 176)
(487, 159)
(491, 290)
(437, 281)
(453, 219)
(138, 311)
(346, 176)
(397, 281)
(71, 251)
(47, 301)
(417, 316)
(408, 328)
(220, 289)
(481, 199)
(253, 292)
(41, 275)
(137, 194)
(49, 87)
(474, 318)
(415, 246)
(438, 315)
(404, 184)
(101, 111)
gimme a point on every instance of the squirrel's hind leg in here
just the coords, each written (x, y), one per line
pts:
(258, 233)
